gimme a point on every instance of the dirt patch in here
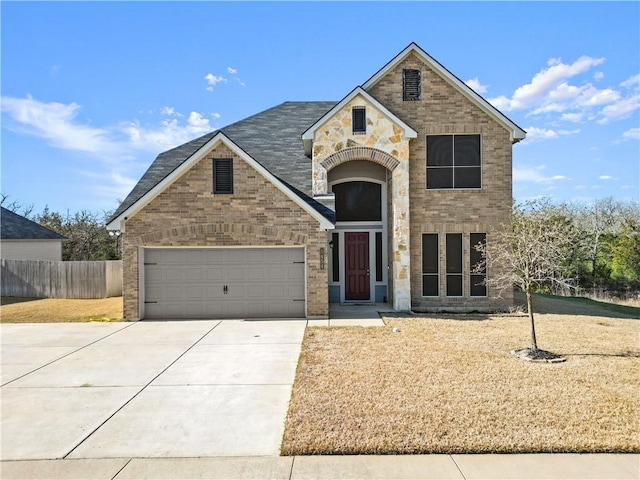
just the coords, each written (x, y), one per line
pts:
(448, 386)
(52, 310)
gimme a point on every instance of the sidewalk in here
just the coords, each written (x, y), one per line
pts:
(486, 467)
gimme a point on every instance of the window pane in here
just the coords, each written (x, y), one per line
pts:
(454, 253)
(440, 177)
(430, 253)
(439, 150)
(475, 257)
(477, 289)
(466, 150)
(454, 285)
(378, 256)
(430, 286)
(467, 177)
(358, 201)
(335, 257)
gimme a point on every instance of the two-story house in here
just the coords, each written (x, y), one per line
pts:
(379, 197)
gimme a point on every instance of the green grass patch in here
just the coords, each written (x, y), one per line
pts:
(613, 307)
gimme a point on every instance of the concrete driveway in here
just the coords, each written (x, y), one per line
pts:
(146, 389)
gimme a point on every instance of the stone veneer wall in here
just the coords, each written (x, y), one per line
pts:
(187, 214)
(443, 110)
(335, 136)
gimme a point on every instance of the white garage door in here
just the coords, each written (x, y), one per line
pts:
(224, 283)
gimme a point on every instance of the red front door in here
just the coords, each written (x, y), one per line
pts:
(356, 261)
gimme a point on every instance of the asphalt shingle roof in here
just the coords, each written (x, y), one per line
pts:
(17, 227)
(273, 138)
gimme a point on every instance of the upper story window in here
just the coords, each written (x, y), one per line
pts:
(359, 119)
(453, 161)
(222, 175)
(411, 88)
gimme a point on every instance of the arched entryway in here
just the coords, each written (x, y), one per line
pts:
(358, 263)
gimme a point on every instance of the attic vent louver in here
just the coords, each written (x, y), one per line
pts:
(411, 88)
(223, 175)
(359, 119)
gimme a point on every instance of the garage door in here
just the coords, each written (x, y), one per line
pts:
(224, 283)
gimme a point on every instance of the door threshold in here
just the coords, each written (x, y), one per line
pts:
(358, 304)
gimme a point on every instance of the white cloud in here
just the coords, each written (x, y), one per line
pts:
(213, 80)
(632, 133)
(232, 70)
(56, 123)
(169, 133)
(535, 134)
(215, 115)
(565, 97)
(606, 177)
(535, 175)
(475, 84)
(598, 75)
(632, 81)
(536, 93)
(572, 117)
(109, 151)
(620, 109)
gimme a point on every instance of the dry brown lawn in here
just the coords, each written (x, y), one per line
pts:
(445, 385)
(45, 310)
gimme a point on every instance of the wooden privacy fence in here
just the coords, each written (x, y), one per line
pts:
(43, 279)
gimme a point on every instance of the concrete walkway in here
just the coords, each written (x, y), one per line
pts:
(485, 467)
(203, 399)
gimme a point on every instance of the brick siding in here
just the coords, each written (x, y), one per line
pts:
(188, 214)
(444, 110)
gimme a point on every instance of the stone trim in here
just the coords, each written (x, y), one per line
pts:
(360, 153)
(213, 228)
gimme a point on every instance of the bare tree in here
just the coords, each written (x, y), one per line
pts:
(15, 206)
(598, 220)
(532, 252)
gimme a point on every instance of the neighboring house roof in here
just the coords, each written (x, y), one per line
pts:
(17, 227)
(308, 135)
(272, 138)
(517, 133)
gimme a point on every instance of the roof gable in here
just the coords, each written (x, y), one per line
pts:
(308, 135)
(515, 131)
(117, 221)
(17, 227)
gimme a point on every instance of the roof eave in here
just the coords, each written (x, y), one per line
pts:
(309, 133)
(516, 133)
(118, 223)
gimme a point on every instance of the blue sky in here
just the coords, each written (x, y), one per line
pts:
(92, 92)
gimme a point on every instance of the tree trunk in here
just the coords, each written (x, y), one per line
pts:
(534, 343)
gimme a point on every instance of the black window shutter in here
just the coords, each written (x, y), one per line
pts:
(359, 119)
(223, 175)
(411, 88)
